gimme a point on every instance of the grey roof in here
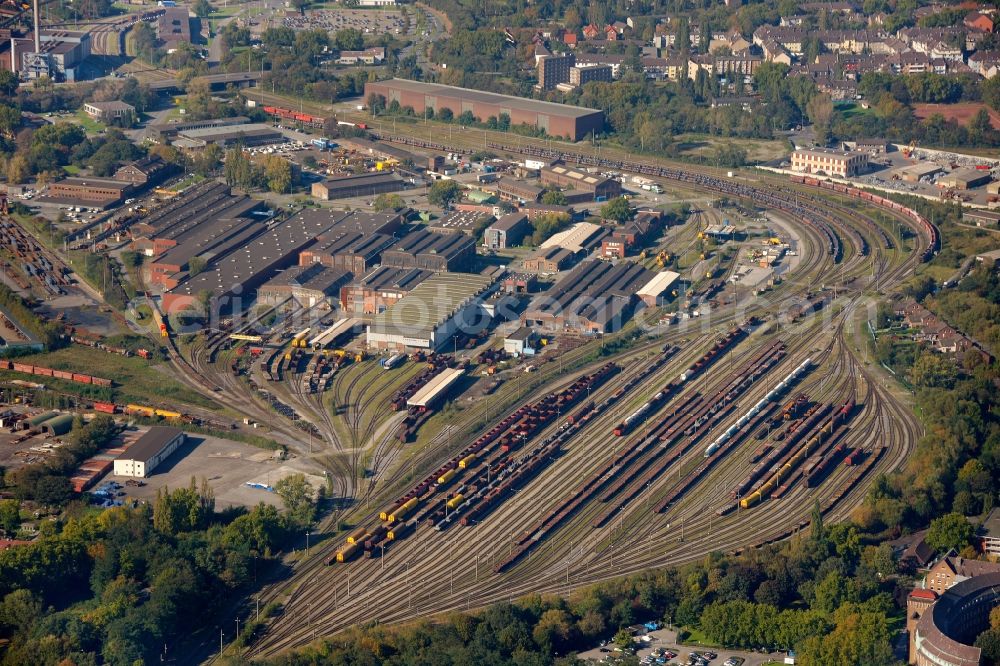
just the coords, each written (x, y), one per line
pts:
(461, 220)
(945, 632)
(595, 290)
(387, 277)
(532, 105)
(354, 242)
(422, 242)
(362, 180)
(313, 276)
(509, 221)
(230, 131)
(150, 444)
(433, 302)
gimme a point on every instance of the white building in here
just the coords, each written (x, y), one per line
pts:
(148, 451)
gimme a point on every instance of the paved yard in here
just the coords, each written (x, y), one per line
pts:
(667, 639)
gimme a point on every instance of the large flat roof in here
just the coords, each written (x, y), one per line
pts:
(435, 387)
(150, 444)
(523, 103)
(580, 236)
(658, 284)
(431, 303)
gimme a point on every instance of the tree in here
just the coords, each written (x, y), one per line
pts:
(18, 169)
(10, 516)
(278, 173)
(446, 115)
(816, 525)
(617, 209)
(554, 198)
(196, 265)
(932, 371)
(202, 8)
(20, 610)
(349, 39)
(388, 202)
(951, 530)
(444, 192)
(8, 83)
(297, 495)
(820, 111)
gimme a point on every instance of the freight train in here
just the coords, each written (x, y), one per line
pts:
(932, 246)
(771, 198)
(42, 371)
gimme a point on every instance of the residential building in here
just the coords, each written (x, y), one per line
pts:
(553, 70)
(990, 537)
(583, 74)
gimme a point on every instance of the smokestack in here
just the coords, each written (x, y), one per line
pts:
(13, 56)
(38, 27)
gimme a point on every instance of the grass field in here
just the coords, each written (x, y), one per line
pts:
(136, 379)
(705, 145)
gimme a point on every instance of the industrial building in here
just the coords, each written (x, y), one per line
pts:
(233, 279)
(509, 230)
(595, 297)
(388, 223)
(593, 186)
(163, 132)
(550, 260)
(581, 237)
(573, 122)
(140, 459)
(364, 185)
(95, 192)
(146, 172)
(521, 342)
(173, 26)
(657, 290)
(432, 314)
(510, 189)
(380, 289)
(351, 251)
(829, 162)
(982, 218)
(431, 251)
(60, 54)
(964, 179)
(468, 222)
(436, 389)
(206, 241)
(308, 286)
(253, 134)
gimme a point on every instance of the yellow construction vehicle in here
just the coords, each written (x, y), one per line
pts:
(360, 356)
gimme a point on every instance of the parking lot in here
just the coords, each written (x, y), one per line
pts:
(368, 21)
(226, 465)
(663, 642)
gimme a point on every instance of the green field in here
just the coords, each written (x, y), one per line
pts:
(136, 380)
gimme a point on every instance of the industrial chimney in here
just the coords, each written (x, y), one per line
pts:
(38, 28)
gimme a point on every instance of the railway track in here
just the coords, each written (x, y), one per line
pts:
(453, 569)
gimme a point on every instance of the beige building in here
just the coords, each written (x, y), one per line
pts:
(829, 162)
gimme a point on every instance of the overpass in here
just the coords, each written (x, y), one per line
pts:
(215, 82)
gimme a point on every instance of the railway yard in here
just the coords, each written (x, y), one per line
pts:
(649, 446)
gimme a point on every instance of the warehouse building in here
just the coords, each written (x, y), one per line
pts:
(388, 223)
(595, 297)
(432, 314)
(582, 237)
(468, 222)
(436, 390)
(179, 219)
(829, 162)
(594, 186)
(380, 289)
(982, 218)
(233, 279)
(95, 192)
(550, 260)
(163, 132)
(521, 342)
(253, 134)
(573, 122)
(964, 179)
(173, 26)
(308, 286)
(140, 459)
(518, 191)
(208, 242)
(364, 185)
(351, 251)
(509, 230)
(658, 290)
(431, 251)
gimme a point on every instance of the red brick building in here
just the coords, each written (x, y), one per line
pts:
(573, 122)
